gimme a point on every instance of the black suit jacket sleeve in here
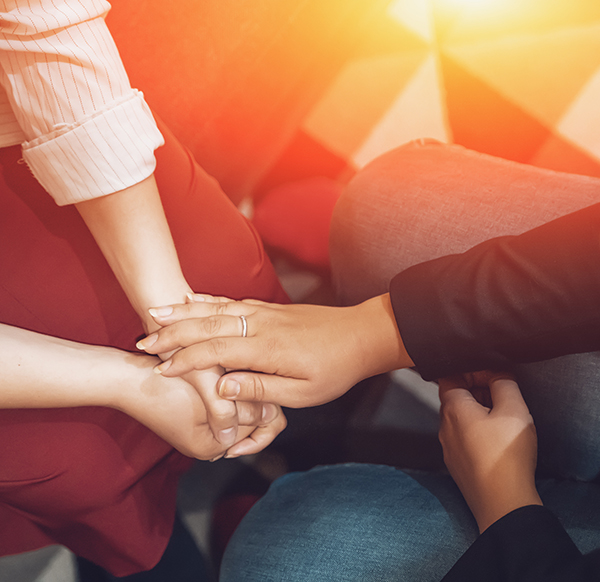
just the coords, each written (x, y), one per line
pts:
(509, 300)
(526, 545)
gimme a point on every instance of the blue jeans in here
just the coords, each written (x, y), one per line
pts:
(372, 523)
(368, 523)
(425, 200)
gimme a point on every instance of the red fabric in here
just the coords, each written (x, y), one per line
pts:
(294, 218)
(93, 479)
(227, 515)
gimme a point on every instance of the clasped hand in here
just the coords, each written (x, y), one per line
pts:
(302, 355)
(489, 443)
(305, 355)
(293, 355)
(225, 423)
(173, 409)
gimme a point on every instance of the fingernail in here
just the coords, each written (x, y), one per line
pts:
(227, 436)
(229, 388)
(160, 311)
(269, 412)
(238, 451)
(162, 367)
(147, 342)
(217, 458)
(195, 298)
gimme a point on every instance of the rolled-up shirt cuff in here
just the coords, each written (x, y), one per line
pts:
(101, 154)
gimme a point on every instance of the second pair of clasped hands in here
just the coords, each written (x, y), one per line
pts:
(306, 355)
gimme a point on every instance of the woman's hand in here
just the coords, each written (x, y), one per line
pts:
(172, 408)
(490, 451)
(39, 371)
(298, 355)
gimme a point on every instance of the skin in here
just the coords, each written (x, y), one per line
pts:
(490, 451)
(302, 355)
(132, 232)
(40, 371)
(305, 355)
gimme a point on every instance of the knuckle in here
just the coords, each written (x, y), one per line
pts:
(221, 308)
(447, 409)
(185, 308)
(174, 335)
(218, 347)
(254, 412)
(211, 326)
(193, 357)
(249, 413)
(257, 388)
(165, 334)
(186, 359)
(220, 412)
(182, 312)
(272, 349)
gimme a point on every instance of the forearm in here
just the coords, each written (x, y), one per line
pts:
(91, 139)
(380, 346)
(40, 371)
(505, 495)
(131, 230)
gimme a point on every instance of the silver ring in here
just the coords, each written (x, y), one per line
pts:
(244, 326)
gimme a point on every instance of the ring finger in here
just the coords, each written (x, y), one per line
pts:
(185, 333)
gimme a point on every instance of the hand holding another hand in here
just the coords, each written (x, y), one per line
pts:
(173, 409)
(222, 415)
(490, 451)
(39, 371)
(293, 355)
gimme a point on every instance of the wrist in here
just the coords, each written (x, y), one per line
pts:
(380, 344)
(504, 502)
(133, 234)
(125, 377)
(173, 292)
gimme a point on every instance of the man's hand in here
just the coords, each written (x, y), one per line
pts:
(293, 355)
(490, 451)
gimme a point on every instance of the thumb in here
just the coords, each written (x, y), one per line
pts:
(255, 387)
(453, 387)
(506, 396)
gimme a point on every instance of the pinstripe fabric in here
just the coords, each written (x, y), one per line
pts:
(85, 131)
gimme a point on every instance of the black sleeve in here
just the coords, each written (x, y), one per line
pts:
(509, 300)
(527, 545)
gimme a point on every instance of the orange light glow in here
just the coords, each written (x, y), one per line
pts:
(478, 8)
(473, 3)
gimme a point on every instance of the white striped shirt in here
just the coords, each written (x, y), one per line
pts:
(67, 99)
